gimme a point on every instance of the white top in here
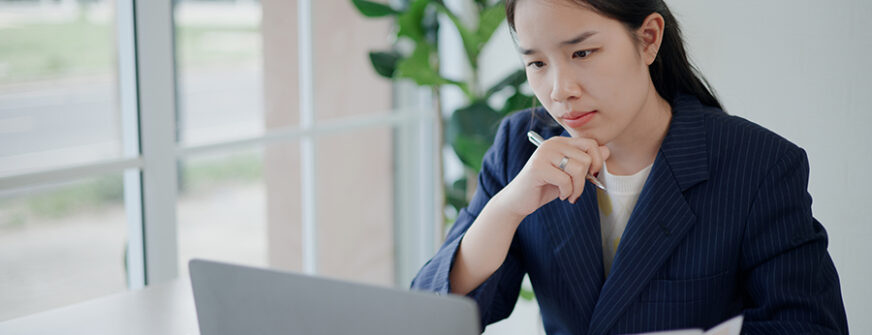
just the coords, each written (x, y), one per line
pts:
(615, 206)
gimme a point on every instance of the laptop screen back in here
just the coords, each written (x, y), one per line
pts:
(232, 299)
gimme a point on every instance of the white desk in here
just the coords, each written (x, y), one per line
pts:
(159, 309)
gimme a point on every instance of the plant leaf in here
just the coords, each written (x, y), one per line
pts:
(514, 79)
(384, 62)
(418, 68)
(373, 9)
(468, 37)
(455, 194)
(470, 151)
(410, 21)
(488, 21)
(527, 294)
(471, 130)
(516, 102)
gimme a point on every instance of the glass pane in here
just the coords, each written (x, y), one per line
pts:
(219, 64)
(355, 182)
(61, 245)
(345, 82)
(225, 203)
(58, 86)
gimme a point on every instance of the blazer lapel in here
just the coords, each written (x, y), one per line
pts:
(661, 217)
(575, 233)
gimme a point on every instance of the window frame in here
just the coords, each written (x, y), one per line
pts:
(147, 94)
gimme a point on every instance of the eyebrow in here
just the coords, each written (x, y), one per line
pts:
(575, 40)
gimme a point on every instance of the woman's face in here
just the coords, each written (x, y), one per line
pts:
(585, 68)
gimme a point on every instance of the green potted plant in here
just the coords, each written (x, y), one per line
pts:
(470, 129)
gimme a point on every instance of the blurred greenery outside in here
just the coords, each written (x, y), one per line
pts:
(34, 52)
(198, 176)
(45, 51)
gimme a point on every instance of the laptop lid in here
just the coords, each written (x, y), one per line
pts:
(233, 299)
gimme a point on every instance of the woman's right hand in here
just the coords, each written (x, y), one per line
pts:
(486, 243)
(541, 180)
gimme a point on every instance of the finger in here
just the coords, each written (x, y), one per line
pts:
(592, 149)
(557, 177)
(579, 157)
(556, 149)
(577, 172)
(581, 161)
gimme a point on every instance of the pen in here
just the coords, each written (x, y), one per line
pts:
(537, 140)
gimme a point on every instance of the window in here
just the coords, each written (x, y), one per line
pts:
(213, 129)
(58, 90)
(63, 234)
(61, 244)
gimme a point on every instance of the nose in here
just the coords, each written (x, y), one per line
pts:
(565, 87)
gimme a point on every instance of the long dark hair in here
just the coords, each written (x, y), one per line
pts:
(671, 72)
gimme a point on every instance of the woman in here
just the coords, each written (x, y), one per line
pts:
(704, 216)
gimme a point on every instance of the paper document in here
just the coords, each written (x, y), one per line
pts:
(730, 327)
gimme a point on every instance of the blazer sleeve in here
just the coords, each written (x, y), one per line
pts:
(495, 297)
(790, 281)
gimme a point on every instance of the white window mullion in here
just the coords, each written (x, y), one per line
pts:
(157, 116)
(127, 83)
(307, 142)
(416, 183)
(430, 188)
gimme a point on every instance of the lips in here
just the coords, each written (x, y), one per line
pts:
(575, 115)
(577, 119)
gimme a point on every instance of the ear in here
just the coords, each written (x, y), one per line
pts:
(650, 34)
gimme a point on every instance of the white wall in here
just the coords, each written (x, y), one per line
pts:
(798, 68)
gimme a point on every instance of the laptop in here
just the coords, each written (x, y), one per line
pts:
(233, 299)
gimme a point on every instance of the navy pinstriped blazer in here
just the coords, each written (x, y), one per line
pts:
(723, 227)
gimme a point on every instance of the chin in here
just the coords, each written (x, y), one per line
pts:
(594, 135)
(581, 133)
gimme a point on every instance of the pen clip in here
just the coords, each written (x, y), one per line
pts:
(535, 138)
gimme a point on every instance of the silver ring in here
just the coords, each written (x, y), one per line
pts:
(563, 162)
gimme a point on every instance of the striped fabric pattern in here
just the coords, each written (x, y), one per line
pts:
(723, 227)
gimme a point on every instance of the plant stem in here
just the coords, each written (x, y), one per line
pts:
(440, 190)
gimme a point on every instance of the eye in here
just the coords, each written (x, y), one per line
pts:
(582, 53)
(536, 64)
